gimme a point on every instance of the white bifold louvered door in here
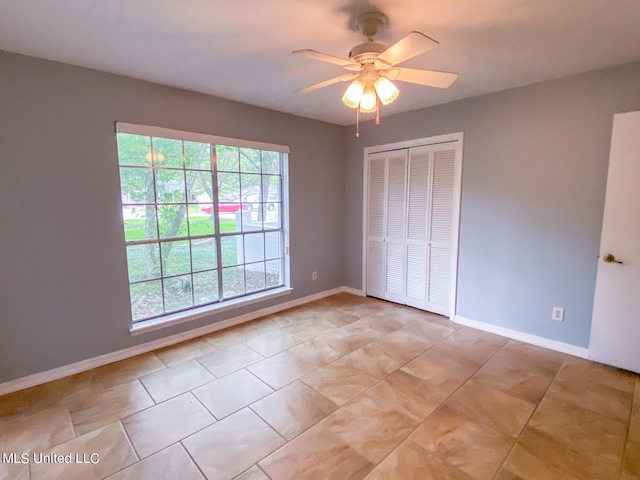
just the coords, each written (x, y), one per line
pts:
(410, 219)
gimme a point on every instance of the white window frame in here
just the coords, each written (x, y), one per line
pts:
(166, 320)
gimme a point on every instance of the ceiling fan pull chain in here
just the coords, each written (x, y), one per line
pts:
(357, 122)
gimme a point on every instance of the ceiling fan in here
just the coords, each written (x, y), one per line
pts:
(373, 66)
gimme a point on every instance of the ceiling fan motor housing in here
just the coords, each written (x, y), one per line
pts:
(366, 52)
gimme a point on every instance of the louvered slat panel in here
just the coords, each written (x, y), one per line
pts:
(442, 196)
(439, 276)
(394, 270)
(418, 196)
(376, 197)
(396, 197)
(416, 271)
(375, 268)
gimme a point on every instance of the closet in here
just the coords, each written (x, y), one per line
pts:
(411, 223)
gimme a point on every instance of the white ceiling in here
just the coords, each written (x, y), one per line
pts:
(240, 49)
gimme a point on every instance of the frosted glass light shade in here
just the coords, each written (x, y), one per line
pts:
(369, 100)
(387, 91)
(353, 94)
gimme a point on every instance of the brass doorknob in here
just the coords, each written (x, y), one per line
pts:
(610, 258)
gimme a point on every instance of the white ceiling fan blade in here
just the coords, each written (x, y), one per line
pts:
(324, 57)
(408, 47)
(431, 78)
(342, 78)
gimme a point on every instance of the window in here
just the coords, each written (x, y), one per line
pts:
(204, 218)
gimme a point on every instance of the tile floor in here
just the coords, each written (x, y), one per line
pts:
(342, 388)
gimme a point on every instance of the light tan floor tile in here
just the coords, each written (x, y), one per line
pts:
(281, 369)
(411, 462)
(321, 351)
(382, 323)
(316, 455)
(184, 351)
(340, 318)
(430, 331)
(631, 463)
(407, 394)
(254, 473)
(409, 315)
(505, 474)
(36, 431)
(492, 407)
(339, 381)
(272, 342)
(14, 471)
(354, 335)
(404, 344)
(371, 306)
(474, 448)
(109, 443)
(157, 427)
(175, 380)
(296, 314)
(11, 405)
(59, 391)
(99, 409)
(539, 359)
(579, 369)
(229, 447)
(231, 393)
(171, 463)
(309, 328)
(228, 336)
(227, 360)
(517, 377)
(579, 428)
(336, 301)
(370, 428)
(536, 457)
(445, 369)
(593, 396)
(480, 346)
(373, 360)
(127, 370)
(294, 409)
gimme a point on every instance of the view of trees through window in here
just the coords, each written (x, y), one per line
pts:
(202, 222)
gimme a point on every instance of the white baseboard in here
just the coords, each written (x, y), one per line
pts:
(88, 364)
(524, 337)
(354, 291)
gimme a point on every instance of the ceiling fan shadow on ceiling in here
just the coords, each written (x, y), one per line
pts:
(373, 67)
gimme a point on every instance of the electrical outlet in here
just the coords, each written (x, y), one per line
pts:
(557, 314)
(314, 276)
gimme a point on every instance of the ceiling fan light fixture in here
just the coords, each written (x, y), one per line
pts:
(369, 100)
(386, 90)
(353, 95)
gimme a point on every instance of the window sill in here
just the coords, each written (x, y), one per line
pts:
(172, 319)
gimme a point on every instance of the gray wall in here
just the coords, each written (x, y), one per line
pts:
(63, 274)
(534, 178)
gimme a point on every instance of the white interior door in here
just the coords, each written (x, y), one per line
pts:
(615, 327)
